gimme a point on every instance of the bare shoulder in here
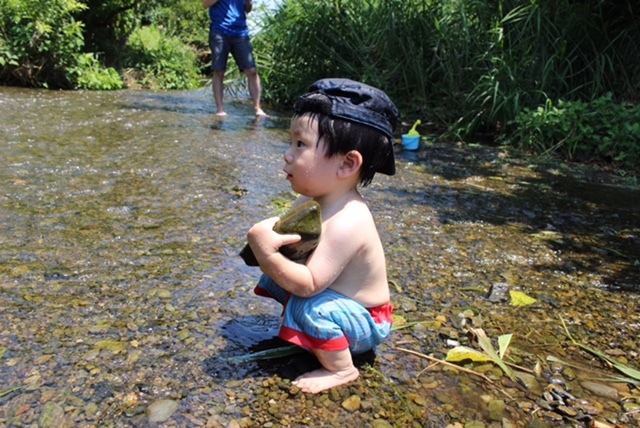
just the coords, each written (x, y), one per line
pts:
(354, 216)
(352, 228)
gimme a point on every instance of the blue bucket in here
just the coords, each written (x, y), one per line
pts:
(410, 143)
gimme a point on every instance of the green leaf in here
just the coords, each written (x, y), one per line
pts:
(267, 354)
(9, 391)
(503, 343)
(487, 347)
(635, 374)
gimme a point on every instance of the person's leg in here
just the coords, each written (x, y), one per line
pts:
(220, 47)
(218, 91)
(242, 52)
(255, 89)
(337, 369)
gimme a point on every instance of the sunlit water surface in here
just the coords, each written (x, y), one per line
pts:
(122, 214)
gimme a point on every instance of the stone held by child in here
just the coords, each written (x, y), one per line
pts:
(304, 220)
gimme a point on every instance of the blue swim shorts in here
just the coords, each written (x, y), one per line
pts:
(328, 321)
(239, 47)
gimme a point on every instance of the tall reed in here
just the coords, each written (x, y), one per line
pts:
(468, 64)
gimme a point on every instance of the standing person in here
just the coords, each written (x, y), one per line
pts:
(337, 301)
(229, 33)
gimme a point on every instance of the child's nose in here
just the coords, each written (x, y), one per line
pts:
(288, 157)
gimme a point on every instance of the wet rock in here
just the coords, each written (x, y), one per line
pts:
(352, 403)
(538, 423)
(499, 293)
(589, 408)
(630, 407)
(496, 409)
(506, 423)
(600, 389)
(569, 374)
(420, 401)
(552, 416)
(530, 382)
(91, 409)
(161, 410)
(380, 423)
(544, 404)
(304, 220)
(52, 416)
(567, 411)
(557, 379)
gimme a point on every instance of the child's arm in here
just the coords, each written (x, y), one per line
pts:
(338, 244)
(265, 244)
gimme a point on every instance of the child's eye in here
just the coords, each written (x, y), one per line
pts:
(299, 143)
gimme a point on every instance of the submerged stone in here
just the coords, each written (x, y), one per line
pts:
(52, 416)
(304, 220)
(161, 410)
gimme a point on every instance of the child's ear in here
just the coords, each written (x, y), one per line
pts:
(351, 163)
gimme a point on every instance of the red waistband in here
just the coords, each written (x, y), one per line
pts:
(382, 313)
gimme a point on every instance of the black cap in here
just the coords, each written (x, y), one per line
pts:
(355, 102)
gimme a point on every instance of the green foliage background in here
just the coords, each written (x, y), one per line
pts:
(468, 67)
(86, 44)
(498, 69)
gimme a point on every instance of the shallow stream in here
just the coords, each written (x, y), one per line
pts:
(121, 290)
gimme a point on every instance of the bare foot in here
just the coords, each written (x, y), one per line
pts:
(322, 379)
(260, 112)
(221, 113)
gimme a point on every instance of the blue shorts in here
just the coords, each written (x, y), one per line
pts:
(239, 47)
(328, 321)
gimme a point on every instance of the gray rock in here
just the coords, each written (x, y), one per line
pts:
(161, 410)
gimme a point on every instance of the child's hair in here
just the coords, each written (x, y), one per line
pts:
(353, 116)
(341, 136)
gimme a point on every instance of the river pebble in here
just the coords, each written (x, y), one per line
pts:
(161, 410)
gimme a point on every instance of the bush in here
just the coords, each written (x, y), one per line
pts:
(41, 45)
(90, 74)
(600, 130)
(163, 61)
(185, 19)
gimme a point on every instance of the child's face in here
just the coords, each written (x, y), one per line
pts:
(308, 169)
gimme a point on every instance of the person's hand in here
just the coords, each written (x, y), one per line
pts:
(265, 242)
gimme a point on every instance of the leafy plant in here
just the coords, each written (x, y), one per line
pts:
(39, 41)
(599, 130)
(633, 374)
(41, 44)
(471, 65)
(88, 73)
(164, 61)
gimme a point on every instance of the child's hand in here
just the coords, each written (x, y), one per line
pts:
(264, 242)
